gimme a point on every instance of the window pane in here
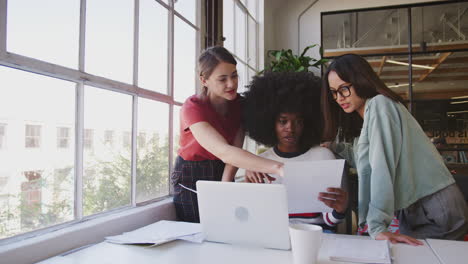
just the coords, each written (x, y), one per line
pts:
(252, 60)
(439, 27)
(228, 24)
(107, 169)
(252, 6)
(152, 59)
(184, 60)
(32, 194)
(46, 30)
(378, 31)
(153, 150)
(240, 33)
(109, 39)
(241, 71)
(187, 9)
(2, 135)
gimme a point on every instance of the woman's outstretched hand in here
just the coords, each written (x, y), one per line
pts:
(258, 177)
(398, 238)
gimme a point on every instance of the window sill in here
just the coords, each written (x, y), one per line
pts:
(47, 245)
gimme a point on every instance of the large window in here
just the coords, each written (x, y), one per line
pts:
(240, 29)
(420, 52)
(89, 92)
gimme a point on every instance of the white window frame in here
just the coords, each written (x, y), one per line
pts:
(82, 78)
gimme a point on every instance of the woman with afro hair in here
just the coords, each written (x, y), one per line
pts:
(282, 111)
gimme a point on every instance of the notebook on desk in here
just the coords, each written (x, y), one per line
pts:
(244, 213)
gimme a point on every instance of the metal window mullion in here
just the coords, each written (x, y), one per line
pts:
(79, 120)
(134, 149)
(170, 50)
(133, 174)
(82, 37)
(3, 27)
(79, 128)
(170, 82)
(247, 39)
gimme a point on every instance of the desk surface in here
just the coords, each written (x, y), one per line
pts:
(186, 252)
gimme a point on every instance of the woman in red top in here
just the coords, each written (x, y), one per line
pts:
(211, 136)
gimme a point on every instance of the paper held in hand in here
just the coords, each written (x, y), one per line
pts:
(304, 180)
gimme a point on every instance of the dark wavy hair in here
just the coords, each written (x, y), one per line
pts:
(273, 93)
(356, 70)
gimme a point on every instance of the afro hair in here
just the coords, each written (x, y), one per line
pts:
(273, 93)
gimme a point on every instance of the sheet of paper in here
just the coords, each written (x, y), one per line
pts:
(449, 251)
(159, 233)
(305, 179)
(360, 250)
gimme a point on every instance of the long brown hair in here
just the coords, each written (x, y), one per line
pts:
(356, 70)
(210, 58)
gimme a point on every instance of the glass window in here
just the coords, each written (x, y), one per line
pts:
(187, 9)
(253, 43)
(109, 39)
(63, 137)
(240, 33)
(228, 24)
(88, 140)
(141, 140)
(153, 49)
(33, 136)
(110, 186)
(153, 150)
(126, 139)
(34, 198)
(108, 137)
(378, 31)
(184, 60)
(2, 135)
(51, 25)
(445, 32)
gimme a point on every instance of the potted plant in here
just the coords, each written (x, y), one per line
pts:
(285, 60)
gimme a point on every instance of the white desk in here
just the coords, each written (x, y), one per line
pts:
(181, 252)
(450, 252)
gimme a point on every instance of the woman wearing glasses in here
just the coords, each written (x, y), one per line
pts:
(400, 171)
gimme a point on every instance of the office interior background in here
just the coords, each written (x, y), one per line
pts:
(91, 90)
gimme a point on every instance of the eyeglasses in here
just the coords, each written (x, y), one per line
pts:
(344, 91)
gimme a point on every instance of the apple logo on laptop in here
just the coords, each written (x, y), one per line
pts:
(241, 213)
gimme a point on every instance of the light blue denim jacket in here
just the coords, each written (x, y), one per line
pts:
(395, 161)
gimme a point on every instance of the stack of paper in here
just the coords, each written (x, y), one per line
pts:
(159, 233)
(360, 250)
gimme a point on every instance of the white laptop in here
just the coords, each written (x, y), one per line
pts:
(244, 213)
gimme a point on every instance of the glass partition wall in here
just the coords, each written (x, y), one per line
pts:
(421, 52)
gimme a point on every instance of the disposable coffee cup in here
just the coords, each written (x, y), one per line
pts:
(306, 240)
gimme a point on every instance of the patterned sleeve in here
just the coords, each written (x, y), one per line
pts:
(333, 218)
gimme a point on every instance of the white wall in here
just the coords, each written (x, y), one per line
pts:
(281, 20)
